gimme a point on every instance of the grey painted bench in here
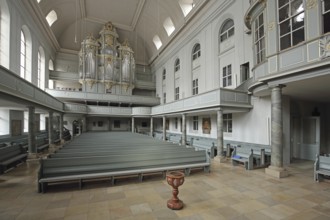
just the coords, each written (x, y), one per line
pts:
(85, 153)
(42, 144)
(321, 167)
(175, 138)
(56, 170)
(158, 136)
(10, 156)
(242, 155)
(204, 144)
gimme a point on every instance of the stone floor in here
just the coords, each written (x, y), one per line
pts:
(226, 192)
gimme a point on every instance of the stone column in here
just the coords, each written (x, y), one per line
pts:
(61, 126)
(184, 130)
(32, 133)
(276, 168)
(50, 128)
(151, 126)
(164, 128)
(220, 134)
(133, 125)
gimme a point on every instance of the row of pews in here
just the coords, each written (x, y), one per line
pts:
(14, 150)
(112, 155)
(251, 155)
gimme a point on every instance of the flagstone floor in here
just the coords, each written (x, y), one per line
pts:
(226, 192)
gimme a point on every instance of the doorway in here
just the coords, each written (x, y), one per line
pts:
(305, 142)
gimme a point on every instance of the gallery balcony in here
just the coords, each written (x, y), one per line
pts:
(79, 96)
(228, 99)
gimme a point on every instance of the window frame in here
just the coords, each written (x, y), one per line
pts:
(227, 76)
(195, 86)
(259, 39)
(23, 55)
(325, 13)
(196, 53)
(195, 123)
(228, 123)
(290, 30)
(164, 74)
(177, 65)
(177, 93)
(227, 32)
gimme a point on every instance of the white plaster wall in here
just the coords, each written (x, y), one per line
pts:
(19, 17)
(252, 126)
(4, 121)
(211, 61)
(93, 124)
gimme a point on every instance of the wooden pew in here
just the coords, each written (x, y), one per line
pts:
(175, 138)
(10, 156)
(242, 155)
(321, 167)
(55, 170)
(206, 144)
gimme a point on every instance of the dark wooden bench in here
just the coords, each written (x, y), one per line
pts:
(42, 144)
(242, 155)
(321, 167)
(57, 170)
(10, 156)
(66, 136)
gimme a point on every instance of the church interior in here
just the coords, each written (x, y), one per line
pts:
(176, 109)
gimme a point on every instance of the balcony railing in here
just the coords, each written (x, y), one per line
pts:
(102, 97)
(13, 85)
(216, 98)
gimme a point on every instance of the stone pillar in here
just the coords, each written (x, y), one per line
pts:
(184, 130)
(61, 126)
(220, 156)
(32, 133)
(50, 128)
(151, 126)
(276, 168)
(164, 128)
(133, 125)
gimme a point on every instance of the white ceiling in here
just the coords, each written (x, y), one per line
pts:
(136, 20)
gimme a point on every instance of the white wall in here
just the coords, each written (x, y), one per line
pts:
(206, 33)
(4, 122)
(253, 126)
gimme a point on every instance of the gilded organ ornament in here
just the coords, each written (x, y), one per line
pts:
(106, 61)
(325, 47)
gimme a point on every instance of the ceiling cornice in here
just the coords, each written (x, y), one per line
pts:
(101, 21)
(137, 14)
(82, 8)
(40, 20)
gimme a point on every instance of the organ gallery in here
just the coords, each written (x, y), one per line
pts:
(105, 65)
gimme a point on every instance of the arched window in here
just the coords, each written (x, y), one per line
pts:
(23, 55)
(196, 51)
(50, 64)
(158, 43)
(51, 17)
(186, 6)
(169, 26)
(4, 34)
(164, 74)
(26, 53)
(50, 67)
(41, 68)
(177, 65)
(227, 30)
